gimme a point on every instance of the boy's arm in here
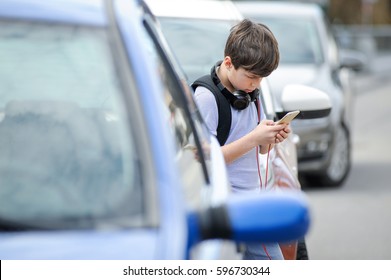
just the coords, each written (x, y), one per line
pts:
(281, 136)
(236, 149)
(264, 134)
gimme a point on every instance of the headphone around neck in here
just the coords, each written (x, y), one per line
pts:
(238, 99)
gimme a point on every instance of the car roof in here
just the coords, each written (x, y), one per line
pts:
(283, 8)
(69, 11)
(204, 9)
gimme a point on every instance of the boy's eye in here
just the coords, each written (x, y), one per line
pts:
(252, 76)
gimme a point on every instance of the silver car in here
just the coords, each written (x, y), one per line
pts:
(310, 56)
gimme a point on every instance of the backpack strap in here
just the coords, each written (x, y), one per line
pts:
(223, 107)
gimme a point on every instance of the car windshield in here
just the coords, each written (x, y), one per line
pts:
(185, 35)
(299, 46)
(67, 157)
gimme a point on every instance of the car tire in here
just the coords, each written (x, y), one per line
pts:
(302, 253)
(340, 162)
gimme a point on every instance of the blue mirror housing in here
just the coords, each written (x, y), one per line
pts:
(269, 217)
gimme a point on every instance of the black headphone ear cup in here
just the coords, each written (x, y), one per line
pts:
(242, 100)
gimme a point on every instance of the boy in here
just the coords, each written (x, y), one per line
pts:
(251, 53)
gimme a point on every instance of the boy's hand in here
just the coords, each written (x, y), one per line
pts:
(268, 132)
(283, 134)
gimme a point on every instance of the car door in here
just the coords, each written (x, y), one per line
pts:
(84, 155)
(198, 155)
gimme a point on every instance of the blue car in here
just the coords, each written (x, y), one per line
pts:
(103, 154)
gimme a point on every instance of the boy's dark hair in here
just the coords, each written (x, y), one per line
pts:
(253, 47)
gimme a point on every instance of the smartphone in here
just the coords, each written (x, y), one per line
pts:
(288, 117)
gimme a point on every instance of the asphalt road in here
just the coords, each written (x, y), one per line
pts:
(353, 222)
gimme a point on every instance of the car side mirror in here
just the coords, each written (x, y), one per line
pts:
(352, 59)
(312, 102)
(268, 217)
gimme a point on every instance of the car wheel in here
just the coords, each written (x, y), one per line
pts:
(302, 253)
(340, 162)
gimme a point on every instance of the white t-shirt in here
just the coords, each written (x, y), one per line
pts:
(243, 172)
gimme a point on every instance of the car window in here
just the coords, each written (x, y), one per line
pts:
(67, 155)
(302, 45)
(184, 123)
(185, 35)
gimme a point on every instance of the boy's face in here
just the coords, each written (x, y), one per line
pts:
(242, 79)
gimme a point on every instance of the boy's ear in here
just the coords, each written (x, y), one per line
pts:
(227, 62)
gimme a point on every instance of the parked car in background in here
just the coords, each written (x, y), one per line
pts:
(183, 21)
(197, 31)
(310, 56)
(102, 153)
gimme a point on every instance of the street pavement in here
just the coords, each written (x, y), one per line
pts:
(353, 222)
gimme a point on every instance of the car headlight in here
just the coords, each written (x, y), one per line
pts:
(315, 146)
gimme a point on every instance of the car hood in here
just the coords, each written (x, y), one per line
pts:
(307, 74)
(79, 245)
